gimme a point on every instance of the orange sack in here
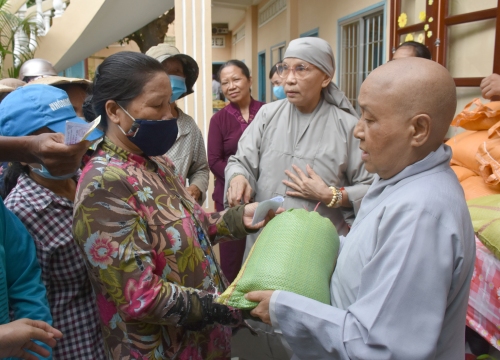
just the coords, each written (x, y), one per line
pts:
(488, 156)
(475, 187)
(464, 147)
(462, 173)
(478, 116)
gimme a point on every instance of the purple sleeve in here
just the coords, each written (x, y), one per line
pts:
(215, 148)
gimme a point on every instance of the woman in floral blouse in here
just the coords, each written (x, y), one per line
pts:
(147, 243)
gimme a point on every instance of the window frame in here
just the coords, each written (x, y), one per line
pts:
(438, 42)
(310, 33)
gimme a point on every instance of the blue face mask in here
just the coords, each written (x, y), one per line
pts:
(43, 172)
(178, 84)
(153, 137)
(279, 92)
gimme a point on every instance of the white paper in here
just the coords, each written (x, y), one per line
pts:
(93, 125)
(264, 207)
(76, 132)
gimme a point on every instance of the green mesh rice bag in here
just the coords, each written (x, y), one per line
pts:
(296, 251)
(485, 215)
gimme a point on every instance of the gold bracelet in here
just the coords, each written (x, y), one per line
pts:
(334, 198)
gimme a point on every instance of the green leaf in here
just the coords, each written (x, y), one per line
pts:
(191, 263)
(110, 175)
(182, 262)
(79, 229)
(9, 24)
(110, 277)
(117, 171)
(199, 254)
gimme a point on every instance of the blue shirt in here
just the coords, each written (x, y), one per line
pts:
(21, 285)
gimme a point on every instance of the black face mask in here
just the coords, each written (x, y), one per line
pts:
(153, 137)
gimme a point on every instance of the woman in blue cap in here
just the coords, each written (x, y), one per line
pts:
(44, 204)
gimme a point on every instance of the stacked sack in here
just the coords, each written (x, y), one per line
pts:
(476, 152)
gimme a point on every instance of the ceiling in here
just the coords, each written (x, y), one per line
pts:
(230, 11)
(86, 28)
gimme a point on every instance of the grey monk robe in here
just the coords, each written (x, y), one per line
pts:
(401, 285)
(280, 136)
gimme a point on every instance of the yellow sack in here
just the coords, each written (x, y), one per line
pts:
(478, 116)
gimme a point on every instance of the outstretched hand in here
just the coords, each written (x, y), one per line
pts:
(58, 158)
(262, 310)
(250, 211)
(18, 336)
(307, 186)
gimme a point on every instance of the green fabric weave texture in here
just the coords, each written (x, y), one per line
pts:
(485, 215)
(296, 251)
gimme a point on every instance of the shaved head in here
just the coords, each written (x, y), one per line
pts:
(412, 102)
(415, 86)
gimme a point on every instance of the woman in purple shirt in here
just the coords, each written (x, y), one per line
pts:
(226, 128)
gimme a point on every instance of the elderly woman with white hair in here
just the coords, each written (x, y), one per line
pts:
(301, 148)
(306, 138)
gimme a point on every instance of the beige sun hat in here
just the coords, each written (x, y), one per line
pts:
(6, 89)
(7, 86)
(12, 83)
(163, 51)
(60, 80)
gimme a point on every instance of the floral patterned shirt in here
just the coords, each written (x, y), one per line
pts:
(148, 248)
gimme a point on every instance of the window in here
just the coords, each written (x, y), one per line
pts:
(218, 41)
(262, 76)
(76, 71)
(277, 53)
(361, 49)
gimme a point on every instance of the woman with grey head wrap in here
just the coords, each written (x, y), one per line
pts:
(301, 148)
(319, 53)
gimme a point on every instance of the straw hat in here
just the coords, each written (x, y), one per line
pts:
(60, 80)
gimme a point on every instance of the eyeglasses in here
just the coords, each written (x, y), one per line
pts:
(300, 71)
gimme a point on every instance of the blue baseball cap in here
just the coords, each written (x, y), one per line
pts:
(30, 108)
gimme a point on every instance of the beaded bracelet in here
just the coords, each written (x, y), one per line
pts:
(337, 197)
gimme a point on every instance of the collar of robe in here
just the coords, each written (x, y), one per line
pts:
(436, 161)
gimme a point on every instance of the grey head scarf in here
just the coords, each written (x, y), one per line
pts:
(318, 52)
